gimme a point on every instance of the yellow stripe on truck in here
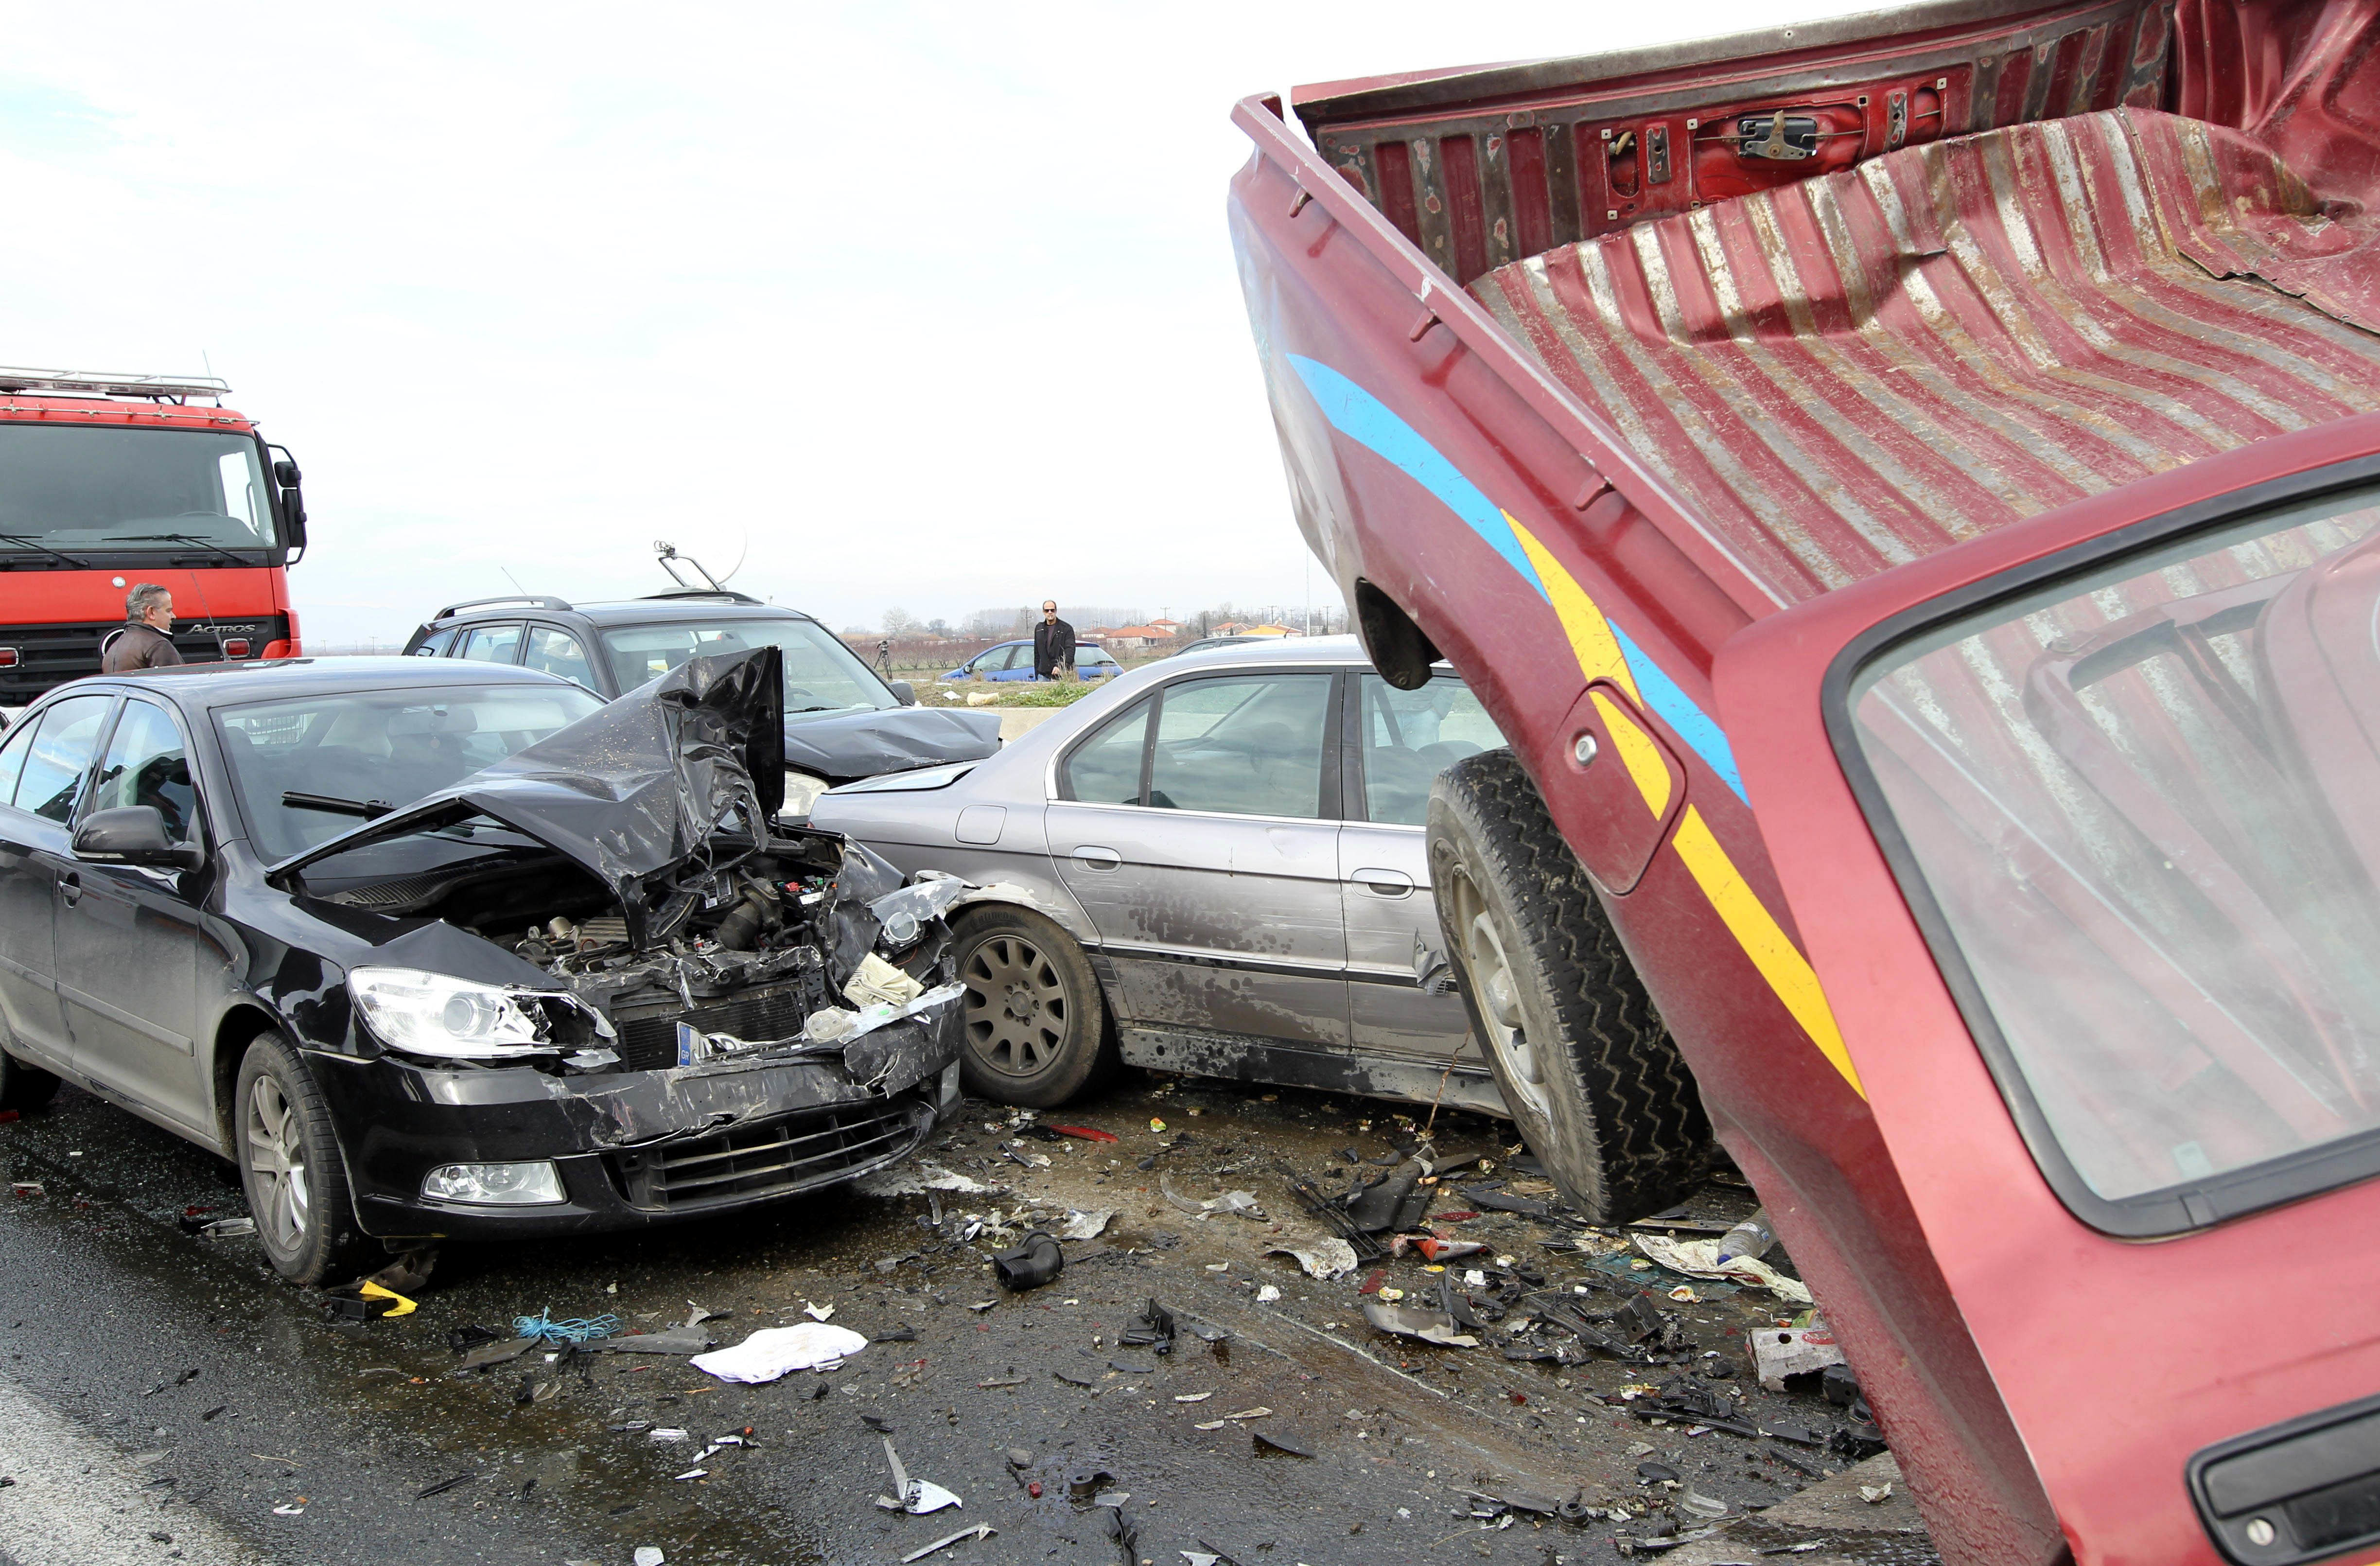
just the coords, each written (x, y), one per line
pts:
(1772, 951)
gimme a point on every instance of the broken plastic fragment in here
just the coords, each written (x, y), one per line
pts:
(1032, 1262)
(819, 1312)
(917, 1497)
(404, 1306)
(647, 1556)
(1324, 1259)
(1876, 1494)
(980, 1531)
(1780, 1352)
(1267, 1294)
(1085, 1225)
(1418, 1322)
(1086, 1132)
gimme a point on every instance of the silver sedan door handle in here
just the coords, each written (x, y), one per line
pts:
(1385, 883)
(1095, 858)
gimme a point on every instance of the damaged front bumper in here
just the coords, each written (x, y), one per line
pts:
(634, 1149)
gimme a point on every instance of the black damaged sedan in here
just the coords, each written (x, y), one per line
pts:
(450, 950)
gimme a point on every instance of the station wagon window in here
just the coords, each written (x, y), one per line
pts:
(2134, 811)
(1105, 769)
(1250, 745)
(822, 675)
(555, 652)
(492, 644)
(148, 764)
(435, 647)
(60, 757)
(1410, 737)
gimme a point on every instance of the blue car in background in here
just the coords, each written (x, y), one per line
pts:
(1014, 660)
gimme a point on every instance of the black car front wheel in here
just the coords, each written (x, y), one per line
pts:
(290, 1167)
(1037, 1027)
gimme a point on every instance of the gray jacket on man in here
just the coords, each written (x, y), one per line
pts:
(139, 645)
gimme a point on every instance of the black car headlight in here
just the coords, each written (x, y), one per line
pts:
(431, 1013)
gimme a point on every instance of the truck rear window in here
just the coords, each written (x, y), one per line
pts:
(2137, 812)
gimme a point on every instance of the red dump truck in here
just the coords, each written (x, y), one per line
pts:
(1909, 487)
(110, 480)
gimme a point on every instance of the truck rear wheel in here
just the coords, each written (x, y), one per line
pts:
(1592, 1077)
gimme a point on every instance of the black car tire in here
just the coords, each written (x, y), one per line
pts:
(279, 1119)
(24, 1088)
(1590, 1074)
(1034, 1024)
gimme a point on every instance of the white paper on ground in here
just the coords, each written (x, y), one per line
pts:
(1699, 1258)
(778, 1351)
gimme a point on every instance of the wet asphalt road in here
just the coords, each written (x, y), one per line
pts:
(233, 1398)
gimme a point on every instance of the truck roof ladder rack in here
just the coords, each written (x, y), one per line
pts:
(158, 388)
(541, 599)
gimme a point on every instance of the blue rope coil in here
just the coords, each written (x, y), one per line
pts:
(576, 1329)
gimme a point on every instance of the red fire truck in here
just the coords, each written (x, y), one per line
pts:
(111, 480)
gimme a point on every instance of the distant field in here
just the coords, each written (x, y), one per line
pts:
(1008, 693)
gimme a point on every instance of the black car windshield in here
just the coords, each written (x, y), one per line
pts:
(2142, 803)
(77, 488)
(822, 676)
(313, 767)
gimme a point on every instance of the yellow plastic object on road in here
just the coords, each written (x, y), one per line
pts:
(403, 1307)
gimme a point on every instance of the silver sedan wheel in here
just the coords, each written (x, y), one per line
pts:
(1017, 1006)
(276, 1154)
(1500, 1004)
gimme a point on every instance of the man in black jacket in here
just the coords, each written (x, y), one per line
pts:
(146, 640)
(1053, 646)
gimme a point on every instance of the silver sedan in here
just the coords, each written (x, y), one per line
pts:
(1227, 876)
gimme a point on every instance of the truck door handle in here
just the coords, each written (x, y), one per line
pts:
(70, 887)
(1385, 883)
(1096, 858)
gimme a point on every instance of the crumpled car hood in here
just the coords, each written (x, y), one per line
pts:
(632, 791)
(861, 745)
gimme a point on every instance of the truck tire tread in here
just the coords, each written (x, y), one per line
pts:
(1636, 1139)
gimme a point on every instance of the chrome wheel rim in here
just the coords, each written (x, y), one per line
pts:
(1497, 990)
(276, 1160)
(1017, 1007)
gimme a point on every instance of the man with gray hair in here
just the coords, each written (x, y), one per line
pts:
(146, 638)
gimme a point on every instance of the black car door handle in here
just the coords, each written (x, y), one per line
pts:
(69, 887)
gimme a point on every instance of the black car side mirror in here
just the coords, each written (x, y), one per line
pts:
(905, 693)
(133, 834)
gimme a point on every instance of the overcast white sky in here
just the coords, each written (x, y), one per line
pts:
(911, 304)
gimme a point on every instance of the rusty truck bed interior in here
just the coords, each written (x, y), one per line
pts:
(1855, 304)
